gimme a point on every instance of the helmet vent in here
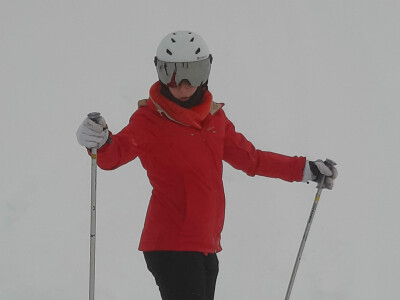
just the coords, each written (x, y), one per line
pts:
(198, 50)
(192, 39)
(169, 52)
(173, 40)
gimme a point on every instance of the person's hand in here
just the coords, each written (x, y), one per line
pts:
(314, 170)
(91, 134)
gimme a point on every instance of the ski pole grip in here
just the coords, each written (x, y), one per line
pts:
(321, 182)
(330, 162)
(94, 116)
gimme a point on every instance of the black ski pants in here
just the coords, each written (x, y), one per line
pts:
(183, 275)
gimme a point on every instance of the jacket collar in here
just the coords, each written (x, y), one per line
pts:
(213, 108)
(187, 117)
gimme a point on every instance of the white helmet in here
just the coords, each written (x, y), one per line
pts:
(183, 55)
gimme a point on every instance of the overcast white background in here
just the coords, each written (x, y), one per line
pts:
(313, 78)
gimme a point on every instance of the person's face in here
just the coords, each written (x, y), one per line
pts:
(183, 91)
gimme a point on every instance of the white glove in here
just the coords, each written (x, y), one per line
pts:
(92, 134)
(314, 170)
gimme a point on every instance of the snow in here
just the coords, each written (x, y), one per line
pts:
(313, 78)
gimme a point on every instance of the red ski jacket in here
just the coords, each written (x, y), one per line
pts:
(184, 165)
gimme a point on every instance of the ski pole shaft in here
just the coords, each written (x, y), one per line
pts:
(93, 116)
(303, 243)
(320, 186)
(93, 224)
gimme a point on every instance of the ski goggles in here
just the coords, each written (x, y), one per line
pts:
(172, 73)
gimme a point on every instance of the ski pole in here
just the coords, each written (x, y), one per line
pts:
(94, 117)
(320, 187)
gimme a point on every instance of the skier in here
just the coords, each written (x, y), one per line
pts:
(181, 137)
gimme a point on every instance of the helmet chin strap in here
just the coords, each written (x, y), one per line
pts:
(195, 99)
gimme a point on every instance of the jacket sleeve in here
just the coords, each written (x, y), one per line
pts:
(242, 155)
(122, 149)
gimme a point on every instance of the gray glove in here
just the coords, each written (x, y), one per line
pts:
(314, 170)
(92, 134)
